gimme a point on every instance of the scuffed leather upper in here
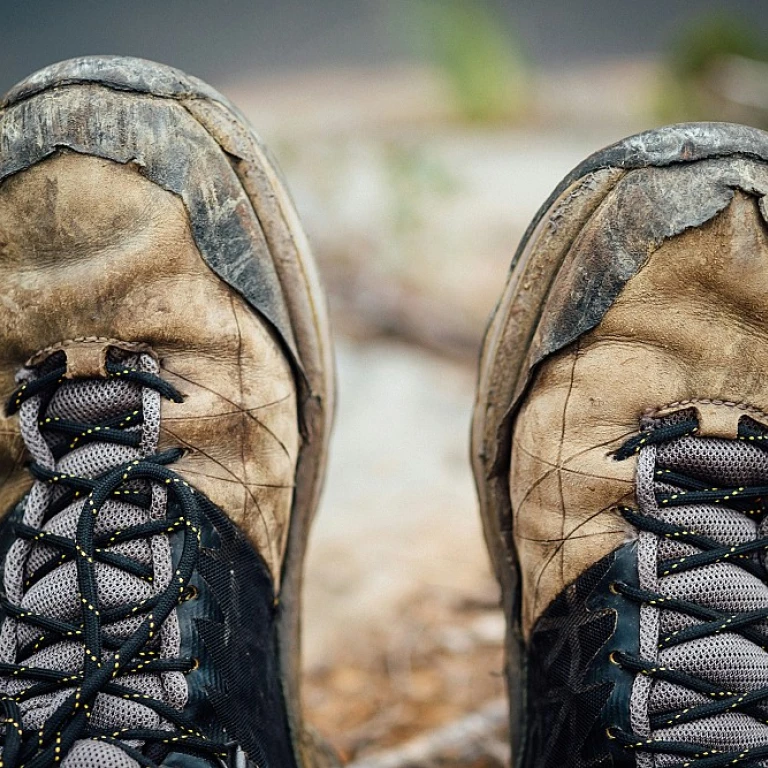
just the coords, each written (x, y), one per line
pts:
(87, 243)
(689, 326)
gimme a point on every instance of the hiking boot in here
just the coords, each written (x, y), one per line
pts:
(620, 449)
(165, 359)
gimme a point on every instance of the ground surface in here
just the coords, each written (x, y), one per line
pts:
(402, 628)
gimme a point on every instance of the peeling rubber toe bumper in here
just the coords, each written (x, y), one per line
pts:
(246, 229)
(522, 333)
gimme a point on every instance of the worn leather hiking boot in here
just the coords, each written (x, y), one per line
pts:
(165, 360)
(620, 448)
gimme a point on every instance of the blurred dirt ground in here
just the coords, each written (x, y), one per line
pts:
(414, 216)
(401, 624)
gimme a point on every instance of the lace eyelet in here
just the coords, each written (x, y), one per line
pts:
(610, 733)
(613, 657)
(195, 664)
(191, 592)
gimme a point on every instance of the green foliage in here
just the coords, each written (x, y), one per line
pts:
(695, 54)
(701, 45)
(479, 57)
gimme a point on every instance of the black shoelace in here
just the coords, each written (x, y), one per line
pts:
(106, 658)
(750, 500)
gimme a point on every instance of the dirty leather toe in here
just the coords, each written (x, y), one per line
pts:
(619, 451)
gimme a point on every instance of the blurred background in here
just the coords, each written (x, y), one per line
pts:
(418, 137)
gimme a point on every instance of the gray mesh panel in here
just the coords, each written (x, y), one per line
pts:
(88, 754)
(727, 660)
(56, 594)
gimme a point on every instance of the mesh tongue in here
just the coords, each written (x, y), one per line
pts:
(728, 660)
(56, 594)
(88, 753)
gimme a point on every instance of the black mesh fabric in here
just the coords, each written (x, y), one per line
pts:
(566, 691)
(232, 628)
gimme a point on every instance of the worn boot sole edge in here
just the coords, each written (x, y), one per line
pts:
(306, 307)
(505, 370)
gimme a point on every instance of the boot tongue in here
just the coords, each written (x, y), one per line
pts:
(728, 660)
(56, 594)
(88, 753)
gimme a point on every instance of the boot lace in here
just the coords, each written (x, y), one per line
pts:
(89, 646)
(700, 696)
